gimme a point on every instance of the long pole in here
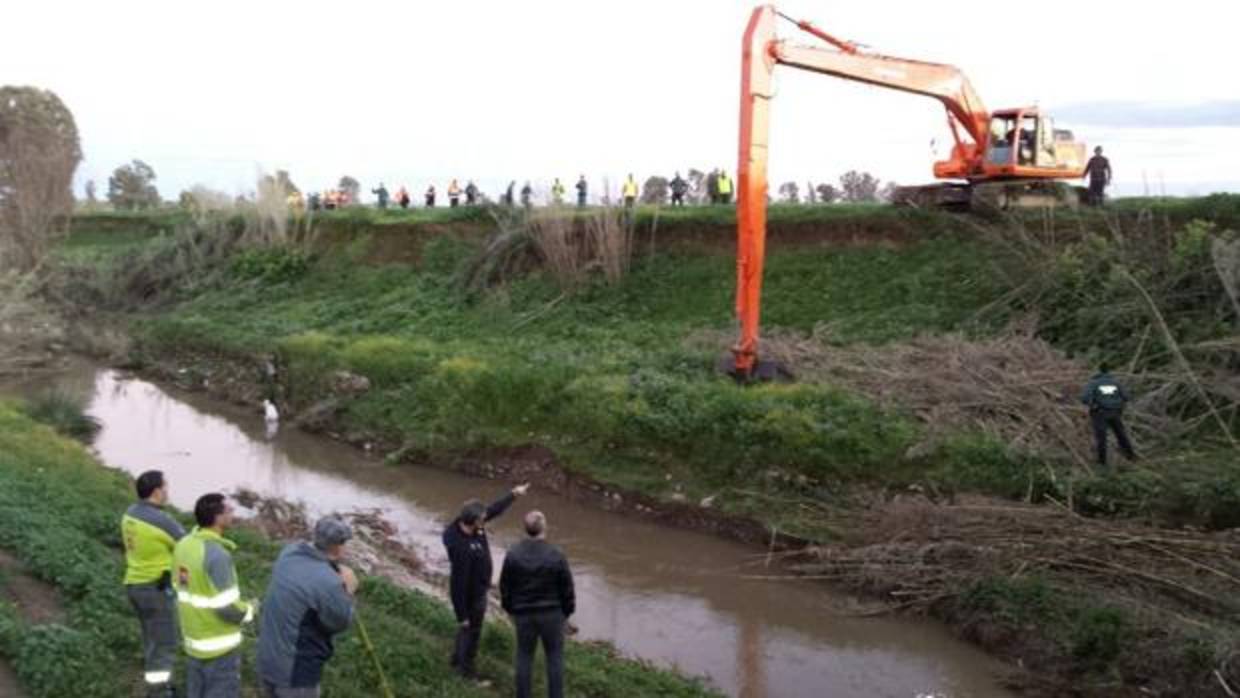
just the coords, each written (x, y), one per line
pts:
(374, 658)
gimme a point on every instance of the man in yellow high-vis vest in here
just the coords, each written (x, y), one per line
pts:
(149, 535)
(725, 187)
(629, 192)
(209, 604)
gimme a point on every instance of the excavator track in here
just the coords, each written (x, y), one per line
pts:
(991, 196)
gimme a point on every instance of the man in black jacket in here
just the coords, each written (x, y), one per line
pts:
(536, 588)
(1106, 399)
(469, 554)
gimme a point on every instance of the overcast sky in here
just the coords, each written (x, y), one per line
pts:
(413, 92)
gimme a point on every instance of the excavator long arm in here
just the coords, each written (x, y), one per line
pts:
(762, 50)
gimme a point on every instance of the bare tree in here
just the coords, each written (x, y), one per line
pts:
(828, 194)
(92, 197)
(790, 192)
(350, 187)
(888, 192)
(697, 185)
(200, 199)
(283, 184)
(859, 186)
(39, 152)
(132, 186)
(654, 191)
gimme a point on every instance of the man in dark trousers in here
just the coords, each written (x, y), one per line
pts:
(1098, 169)
(1106, 399)
(582, 190)
(469, 554)
(308, 602)
(679, 188)
(536, 588)
(150, 535)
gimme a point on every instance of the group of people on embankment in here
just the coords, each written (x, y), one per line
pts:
(187, 596)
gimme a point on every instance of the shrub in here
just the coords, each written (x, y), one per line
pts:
(64, 413)
(271, 265)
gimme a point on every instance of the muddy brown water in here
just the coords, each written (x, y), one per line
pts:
(675, 598)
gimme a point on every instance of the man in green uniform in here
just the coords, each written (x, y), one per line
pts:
(209, 604)
(1106, 399)
(149, 535)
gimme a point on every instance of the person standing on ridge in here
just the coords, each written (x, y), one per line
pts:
(725, 187)
(527, 196)
(629, 191)
(382, 193)
(430, 196)
(557, 192)
(582, 190)
(209, 605)
(712, 186)
(679, 188)
(150, 535)
(1098, 169)
(454, 194)
(1106, 399)
(469, 578)
(471, 193)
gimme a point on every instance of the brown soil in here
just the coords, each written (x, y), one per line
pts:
(9, 687)
(36, 600)
(394, 243)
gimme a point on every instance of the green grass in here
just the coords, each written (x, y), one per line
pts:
(59, 514)
(619, 381)
(64, 413)
(606, 377)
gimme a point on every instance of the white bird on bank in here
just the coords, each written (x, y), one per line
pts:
(272, 415)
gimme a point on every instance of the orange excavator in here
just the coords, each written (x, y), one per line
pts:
(1006, 158)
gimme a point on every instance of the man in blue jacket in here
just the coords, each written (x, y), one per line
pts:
(469, 554)
(1106, 399)
(309, 600)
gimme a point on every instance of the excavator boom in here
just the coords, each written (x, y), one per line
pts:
(1011, 145)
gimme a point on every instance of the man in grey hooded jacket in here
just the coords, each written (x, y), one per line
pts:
(310, 600)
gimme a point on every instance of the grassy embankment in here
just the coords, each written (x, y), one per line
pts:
(619, 381)
(605, 377)
(58, 515)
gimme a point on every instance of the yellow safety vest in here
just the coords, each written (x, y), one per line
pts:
(205, 633)
(148, 535)
(630, 189)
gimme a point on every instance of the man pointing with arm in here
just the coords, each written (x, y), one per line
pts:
(469, 553)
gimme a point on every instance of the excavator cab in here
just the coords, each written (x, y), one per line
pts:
(1024, 143)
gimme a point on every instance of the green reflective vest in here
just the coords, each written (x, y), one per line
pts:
(148, 547)
(203, 609)
(725, 184)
